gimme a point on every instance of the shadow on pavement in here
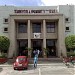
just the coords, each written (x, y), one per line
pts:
(1, 69)
(30, 67)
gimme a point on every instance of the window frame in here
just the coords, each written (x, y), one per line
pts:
(4, 21)
(22, 27)
(5, 31)
(67, 30)
(67, 19)
(36, 27)
(50, 27)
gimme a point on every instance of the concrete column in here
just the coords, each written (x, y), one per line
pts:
(12, 36)
(61, 37)
(44, 34)
(29, 40)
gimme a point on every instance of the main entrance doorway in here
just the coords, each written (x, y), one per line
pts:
(22, 44)
(37, 44)
(51, 48)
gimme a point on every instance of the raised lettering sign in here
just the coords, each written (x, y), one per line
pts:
(36, 11)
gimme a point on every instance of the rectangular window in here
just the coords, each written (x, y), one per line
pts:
(67, 19)
(5, 20)
(67, 28)
(50, 42)
(36, 27)
(50, 27)
(22, 27)
(5, 29)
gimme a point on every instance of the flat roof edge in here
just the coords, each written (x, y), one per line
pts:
(52, 14)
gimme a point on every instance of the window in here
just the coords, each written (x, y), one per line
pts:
(5, 29)
(67, 19)
(5, 20)
(50, 42)
(36, 27)
(22, 27)
(50, 27)
(67, 28)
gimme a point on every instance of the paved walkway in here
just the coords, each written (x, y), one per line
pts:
(41, 62)
(51, 69)
(44, 67)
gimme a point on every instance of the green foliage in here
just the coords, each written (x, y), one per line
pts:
(70, 54)
(70, 42)
(45, 50)
(29, 48)
(3, 55)
(4, 43)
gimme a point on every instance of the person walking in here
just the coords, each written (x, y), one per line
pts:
(35, 61)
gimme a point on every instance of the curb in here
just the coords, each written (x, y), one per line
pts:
(37, 64)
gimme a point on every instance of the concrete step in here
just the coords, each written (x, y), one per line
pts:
(40, 60)
(47, 60)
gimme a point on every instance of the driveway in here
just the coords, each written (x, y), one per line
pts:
(42, 69)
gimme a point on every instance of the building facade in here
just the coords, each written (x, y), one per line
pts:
(37, 28)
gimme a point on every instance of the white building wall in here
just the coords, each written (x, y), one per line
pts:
(74, 19)
(4, 13)
(68, 11)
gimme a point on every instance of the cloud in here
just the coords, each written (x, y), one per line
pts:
(57, 2)
(21, 2)
(36, 2)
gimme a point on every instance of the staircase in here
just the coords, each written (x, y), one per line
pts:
(40, 60)
(46, 60)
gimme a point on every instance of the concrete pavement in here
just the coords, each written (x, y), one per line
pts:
(44, 67)
(51, 69)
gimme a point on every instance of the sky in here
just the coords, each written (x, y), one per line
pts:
(37, 2)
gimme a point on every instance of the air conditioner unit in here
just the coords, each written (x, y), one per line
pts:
(36, 35)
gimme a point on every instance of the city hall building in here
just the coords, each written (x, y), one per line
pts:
(37, 28)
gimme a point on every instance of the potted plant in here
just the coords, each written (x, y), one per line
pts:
(61, 56)
(29, 52)
(45, 52)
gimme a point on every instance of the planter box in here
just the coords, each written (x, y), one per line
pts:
(45, 56)
(3, 60)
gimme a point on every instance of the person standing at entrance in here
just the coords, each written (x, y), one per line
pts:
(38, 51)
(35, 61)
(35, 52)
(52, 50)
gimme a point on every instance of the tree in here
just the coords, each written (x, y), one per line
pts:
(4, 44)
(70, 42)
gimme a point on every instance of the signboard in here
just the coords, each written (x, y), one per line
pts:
(36, 11)
(37, 35)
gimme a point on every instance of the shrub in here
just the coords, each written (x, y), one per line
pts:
(70, 42)
(70, 54)
(3, 55)
(4, 43)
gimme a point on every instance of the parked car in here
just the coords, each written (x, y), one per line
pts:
(21, 63)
